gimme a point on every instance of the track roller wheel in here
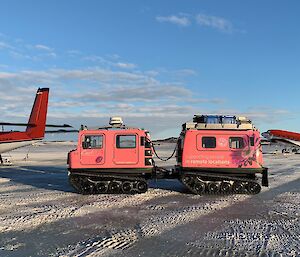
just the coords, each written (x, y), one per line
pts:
(225, 188)
(238, 187)
(84, 186)
(87, 189)
(141, 186)
(114, 187)
(253, 188)
(126, 187)
(213, 187)
(102, 187)
(199, 187)
(187, 180)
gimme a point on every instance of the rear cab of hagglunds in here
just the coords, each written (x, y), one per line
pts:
(220, 154)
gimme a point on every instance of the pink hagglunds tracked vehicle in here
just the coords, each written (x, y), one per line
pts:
(220, 154)
(215, 154)
(111, 159)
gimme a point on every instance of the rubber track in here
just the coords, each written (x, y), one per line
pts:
(88, 184)
(218, 179)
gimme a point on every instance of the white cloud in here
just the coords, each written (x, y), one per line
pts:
(185, 72)
(215, 22)
(94, 58)
(4, 45)
(95, 92)
(43, 47)
(148, 99)
(172, 73)
(66, 104)
(188, 71)
(142, 100)
(203, 20)
(103, 76)
(7, 75)
(134, 94)
(152, 73)
(52, 54)
(114, 56)
(124, 65)
(178, 20)
(111, 62)
(73, 53)
(47, 51)
(19, 55)
(18, 49)
(259, 115)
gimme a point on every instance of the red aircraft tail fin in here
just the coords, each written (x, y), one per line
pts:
(37, 120)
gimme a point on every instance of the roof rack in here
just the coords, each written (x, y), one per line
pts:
(219, 122)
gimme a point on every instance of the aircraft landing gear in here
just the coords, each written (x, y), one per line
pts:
(4, 161)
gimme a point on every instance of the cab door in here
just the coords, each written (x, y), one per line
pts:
(240, 150)
(92, 149)
(126, 151)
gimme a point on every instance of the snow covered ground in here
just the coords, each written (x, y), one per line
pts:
(41, 215)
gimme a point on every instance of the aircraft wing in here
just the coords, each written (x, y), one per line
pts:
(15, 124)
(33, 125)
(59, 126)
(61, 131)
(286, 137)
(287, 141)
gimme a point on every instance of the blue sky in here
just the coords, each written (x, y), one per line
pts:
(156, 63)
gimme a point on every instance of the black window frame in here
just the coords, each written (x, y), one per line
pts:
(84, 142)
(233, 138)
(204, 143)
(252, 141)
(127, 135)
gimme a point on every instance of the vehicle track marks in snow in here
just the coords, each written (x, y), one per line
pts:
(277, 234)
(29, 217)
(151, 226)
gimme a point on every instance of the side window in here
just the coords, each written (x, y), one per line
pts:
(92, 142)
(251, 141)
(126, 141)
(236, 142)
(208, 142)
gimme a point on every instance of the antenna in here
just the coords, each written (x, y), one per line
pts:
(116, 122)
